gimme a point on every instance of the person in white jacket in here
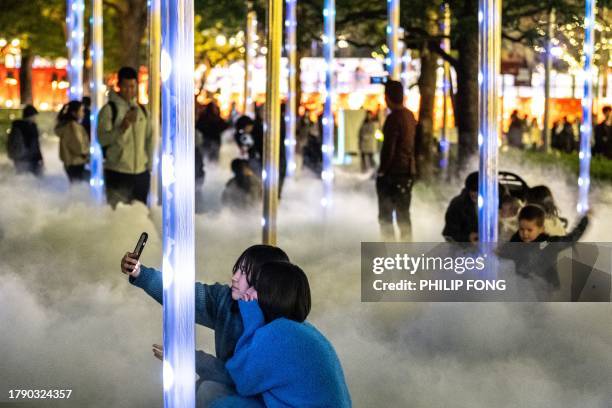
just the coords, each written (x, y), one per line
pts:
(74, 141)
(124, 131)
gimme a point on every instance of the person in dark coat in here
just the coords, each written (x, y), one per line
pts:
(211, 125)
(244, 189)
(397, 168)
(23, 145)
(86, 122)
(603, 135)
(462, 213)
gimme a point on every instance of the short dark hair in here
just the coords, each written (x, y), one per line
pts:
(283, 291)
(126, 73)
(242, 122)
(532, 213)
(542, 196)
(251, 260)
(471, 182)
(29, 111)
(238, 165)
(394, 90)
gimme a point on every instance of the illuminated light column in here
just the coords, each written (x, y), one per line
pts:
(329, 44)
(392, 62)
(155, 94)
(74, 27)
(586, 129)
(249, 57)
(546, 131)
(178, 192)
(489, 18)
(444, 143)
(96, 180)
(273, 121)
(290, 111)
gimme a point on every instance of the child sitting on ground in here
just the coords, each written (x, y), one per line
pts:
(539, 260)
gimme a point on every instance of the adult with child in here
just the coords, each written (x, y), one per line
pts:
(216, 307)
(74, 141)
(397, 169)
(281, 360)
(23, 144)
(124, 131)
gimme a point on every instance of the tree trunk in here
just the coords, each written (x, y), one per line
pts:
(132, 24)
(25, 78)
(467, 84)
(427, 90)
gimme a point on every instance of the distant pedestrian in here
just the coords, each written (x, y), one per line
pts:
(211, 125)
(244, 189)
(74, 143)
(124, 130)
(23, 144)
(367, 141)
(515, 131)
(397, 168)
(603, 135)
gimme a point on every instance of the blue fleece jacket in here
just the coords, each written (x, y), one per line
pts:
(290, 364)
(214, 308)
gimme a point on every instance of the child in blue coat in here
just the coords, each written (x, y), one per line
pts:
(281, 360)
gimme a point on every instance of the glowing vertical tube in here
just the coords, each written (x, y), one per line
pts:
(329, 44)
(290, 112)
(444, 143)
(96, 180)
(272, 124)
(393, 66)
(249, 58)
(489, 18)
(154, 94)
(74, 27)
(586, 129)
(546, 132)
(178, 191)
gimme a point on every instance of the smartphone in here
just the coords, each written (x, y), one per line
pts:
(140, 245)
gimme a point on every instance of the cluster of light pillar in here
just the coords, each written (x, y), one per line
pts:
(292, 102)
(329, 45)
(489, 19)
(96, 180)
(177, 73)
(586, 129)
(75, 10)
(393, 56)
(272, 121)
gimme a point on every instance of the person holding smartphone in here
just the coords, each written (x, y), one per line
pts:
(216, 307)
(126, 137)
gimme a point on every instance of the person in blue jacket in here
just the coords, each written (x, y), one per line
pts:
(281, 360)
(216, 307)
